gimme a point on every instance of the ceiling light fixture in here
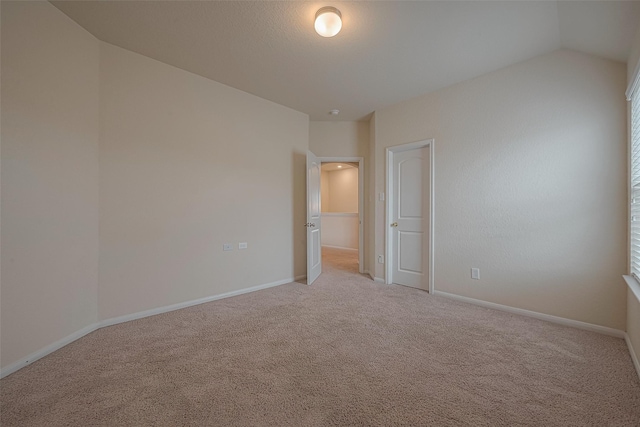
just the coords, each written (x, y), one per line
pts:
(339, 166)
(328, 21)
(334, 112)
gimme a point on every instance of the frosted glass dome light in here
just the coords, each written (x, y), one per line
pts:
(328, 21)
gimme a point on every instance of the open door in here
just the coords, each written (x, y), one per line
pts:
(314, 248)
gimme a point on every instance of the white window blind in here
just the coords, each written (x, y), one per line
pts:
(635, 185)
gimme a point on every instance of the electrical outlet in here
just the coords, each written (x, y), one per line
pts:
(380, 259)
(227, 247)
(242, 245)
(475, 273)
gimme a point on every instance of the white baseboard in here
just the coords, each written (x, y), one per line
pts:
(10, 369)
(340, 247)
(634, 356)
(541, 316)
(165, 309)
(554, 319)
(121, 319)
(126, 318)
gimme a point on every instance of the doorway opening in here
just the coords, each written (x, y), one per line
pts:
(341, 203)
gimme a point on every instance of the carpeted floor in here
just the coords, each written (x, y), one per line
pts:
(344, 351)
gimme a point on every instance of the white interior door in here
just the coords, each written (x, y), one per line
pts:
(314, 248)
(410, 212)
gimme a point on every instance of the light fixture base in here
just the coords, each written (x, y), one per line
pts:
(328, 21)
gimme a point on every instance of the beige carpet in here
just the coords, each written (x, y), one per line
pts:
(345, 351)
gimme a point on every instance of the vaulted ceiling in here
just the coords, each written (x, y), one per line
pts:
(387, 51)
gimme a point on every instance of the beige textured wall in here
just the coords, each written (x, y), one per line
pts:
(634, 55)
(343, 190)
(370, 224)
(529, 184)
(325, 199)
(186, 165)
(340, 230)
(633, 322)
(339, 139)
(50, 127)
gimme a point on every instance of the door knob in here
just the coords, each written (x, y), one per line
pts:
(395, 224)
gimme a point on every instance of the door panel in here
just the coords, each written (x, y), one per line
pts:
(409, 217)
(409, 259)
(410, 185)
(314, 248)
(316, 251)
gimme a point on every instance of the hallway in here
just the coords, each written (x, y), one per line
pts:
(341, 261)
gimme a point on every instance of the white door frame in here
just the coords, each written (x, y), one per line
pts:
(428, 143)
(360, 162)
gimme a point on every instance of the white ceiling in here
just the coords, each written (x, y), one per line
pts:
(387, 51)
